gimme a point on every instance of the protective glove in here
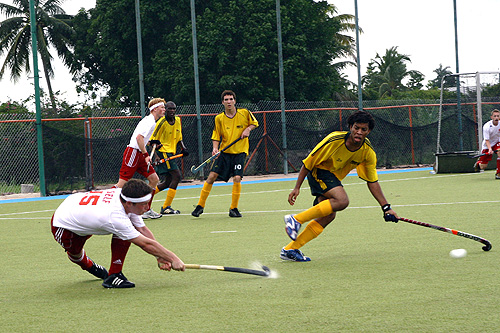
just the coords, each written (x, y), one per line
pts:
(390, 218)
(184, 152)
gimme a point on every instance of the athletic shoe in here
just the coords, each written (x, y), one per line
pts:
(293, 255)
(98, 271)
(234, 212)
(477, 168)
(117, 280)
(169, 210)
(197, 211)
(497, 176)
(292, 227)
(151, 214)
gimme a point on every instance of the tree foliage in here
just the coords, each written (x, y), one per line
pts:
(237, 48)
(386, 75)
(441, 72)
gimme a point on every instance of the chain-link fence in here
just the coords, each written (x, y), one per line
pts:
(82, 153)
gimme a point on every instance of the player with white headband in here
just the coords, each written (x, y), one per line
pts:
(136, 157)
(117, 212)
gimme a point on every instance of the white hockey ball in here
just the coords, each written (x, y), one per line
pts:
(458, 253)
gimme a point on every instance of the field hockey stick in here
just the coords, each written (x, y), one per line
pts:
(163, 160)
(265, 272)
(154, 143)
(483, 154)
(211, 158)
(487, 244)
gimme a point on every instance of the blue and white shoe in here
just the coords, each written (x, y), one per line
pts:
(293, 255)
(292, 227)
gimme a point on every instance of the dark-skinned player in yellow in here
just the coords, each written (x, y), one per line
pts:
(325, 167)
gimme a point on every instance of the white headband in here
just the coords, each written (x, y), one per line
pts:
(145, 198)
(152, 107)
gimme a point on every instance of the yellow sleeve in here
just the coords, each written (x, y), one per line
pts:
(217, 132)
(368, 169)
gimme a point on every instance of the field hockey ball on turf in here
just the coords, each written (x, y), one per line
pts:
(458, 253)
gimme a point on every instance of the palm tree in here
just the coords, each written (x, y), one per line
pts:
(387, 72)
(52, 29)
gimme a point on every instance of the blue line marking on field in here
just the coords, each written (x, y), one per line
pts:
(58, 197)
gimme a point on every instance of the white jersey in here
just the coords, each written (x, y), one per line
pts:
(491, 133)
(97, 213)
(145, 128)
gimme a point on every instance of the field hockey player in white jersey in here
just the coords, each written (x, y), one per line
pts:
(491, 144)
(117, 212)
(136, 157)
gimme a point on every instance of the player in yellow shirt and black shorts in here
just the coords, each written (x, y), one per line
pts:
(230, 125)
(325, 167)
(168, 131)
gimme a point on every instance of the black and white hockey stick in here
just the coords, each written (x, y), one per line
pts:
(211, 158)
(265, 272)
(487, 244)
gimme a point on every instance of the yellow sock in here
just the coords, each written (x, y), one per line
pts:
(205, 191)
(170, 197)
(235, 195)
(311, 231)
(156, 190)
(324, 208)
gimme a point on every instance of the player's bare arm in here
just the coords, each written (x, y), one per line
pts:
(162, 254)
(377, 193)
(142, 145)
(215, 147)
(246, 131)
(296, 191)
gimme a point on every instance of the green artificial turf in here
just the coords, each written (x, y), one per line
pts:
(365, 274)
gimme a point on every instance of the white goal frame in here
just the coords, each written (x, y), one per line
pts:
(478, 101)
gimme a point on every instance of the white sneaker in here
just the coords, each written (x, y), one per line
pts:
(151, 214)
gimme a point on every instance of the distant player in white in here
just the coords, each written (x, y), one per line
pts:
(136, 157)
(491, 143)
(114, 211)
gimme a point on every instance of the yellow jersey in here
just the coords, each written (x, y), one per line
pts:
(332, 154)
(169, 135)
(226, 130)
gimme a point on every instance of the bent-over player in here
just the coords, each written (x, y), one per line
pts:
(325, 167)
(115, 211)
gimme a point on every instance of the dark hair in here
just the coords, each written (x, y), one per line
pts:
(136, 188)
(361, 117)
(227, 92)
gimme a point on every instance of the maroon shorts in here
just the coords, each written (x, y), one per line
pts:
(70, 241)
(133, 161)
(485, 159)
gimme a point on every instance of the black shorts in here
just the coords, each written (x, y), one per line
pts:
(167, 166)
(322, 181)
(229, 165)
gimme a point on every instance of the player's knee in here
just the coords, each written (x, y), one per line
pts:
(340, 203)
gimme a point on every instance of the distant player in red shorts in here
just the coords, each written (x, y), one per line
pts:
(491, 143)
(136, 157)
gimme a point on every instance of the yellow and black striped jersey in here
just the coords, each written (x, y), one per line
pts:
(169, 135)
(226, 130)
(332, 154)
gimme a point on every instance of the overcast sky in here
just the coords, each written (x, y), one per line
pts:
(422, 29)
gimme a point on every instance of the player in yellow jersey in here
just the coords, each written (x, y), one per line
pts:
(325, 167)
(230, 125)
(168, 131)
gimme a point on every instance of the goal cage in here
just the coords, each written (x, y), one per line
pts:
(461, 119)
